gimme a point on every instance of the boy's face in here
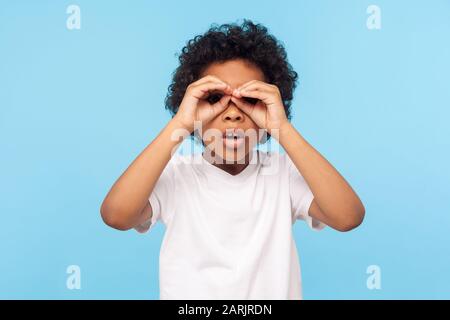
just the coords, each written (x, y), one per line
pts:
(235, 73)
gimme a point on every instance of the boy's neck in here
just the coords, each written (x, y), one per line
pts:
(228, 166)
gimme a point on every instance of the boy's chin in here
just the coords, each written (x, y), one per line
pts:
(232, 155)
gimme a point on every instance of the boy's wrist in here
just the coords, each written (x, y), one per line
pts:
(175, 132)
(178, 124)
(285, 126)
(288, 134)
(283, 130)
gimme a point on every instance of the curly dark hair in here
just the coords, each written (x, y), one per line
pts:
(220, 43)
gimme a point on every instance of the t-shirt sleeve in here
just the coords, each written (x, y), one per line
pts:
(301, 197)
(161, 198)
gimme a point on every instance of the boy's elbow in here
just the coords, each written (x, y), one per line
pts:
(112, 218)
(352, 221)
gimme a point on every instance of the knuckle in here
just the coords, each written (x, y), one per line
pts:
(211, 78)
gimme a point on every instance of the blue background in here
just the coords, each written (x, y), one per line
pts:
(77, 106)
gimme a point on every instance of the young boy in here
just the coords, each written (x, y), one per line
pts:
(229, 210)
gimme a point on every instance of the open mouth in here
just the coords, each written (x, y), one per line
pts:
(233, 138)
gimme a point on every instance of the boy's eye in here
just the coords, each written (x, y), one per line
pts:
(251, 100)
(214, 98)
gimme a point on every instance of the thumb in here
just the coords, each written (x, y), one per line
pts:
(244, 106)
(221, 105)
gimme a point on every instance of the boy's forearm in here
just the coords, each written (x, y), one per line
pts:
(123, 204)
(338, 202)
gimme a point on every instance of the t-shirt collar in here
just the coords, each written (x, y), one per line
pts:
(215, 171)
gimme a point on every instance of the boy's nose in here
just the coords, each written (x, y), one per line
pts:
(232, 113)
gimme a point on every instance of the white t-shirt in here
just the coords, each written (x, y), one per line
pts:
(230, 236)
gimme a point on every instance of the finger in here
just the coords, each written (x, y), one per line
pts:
(260, 86)
(244, 106)
(253, 87)
(247, 84)
(227, 88)
(201, 90)
(207, 78)
(221, 105)
(264, 96)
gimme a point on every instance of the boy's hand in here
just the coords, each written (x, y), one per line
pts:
(268, 113)
(195, 107)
